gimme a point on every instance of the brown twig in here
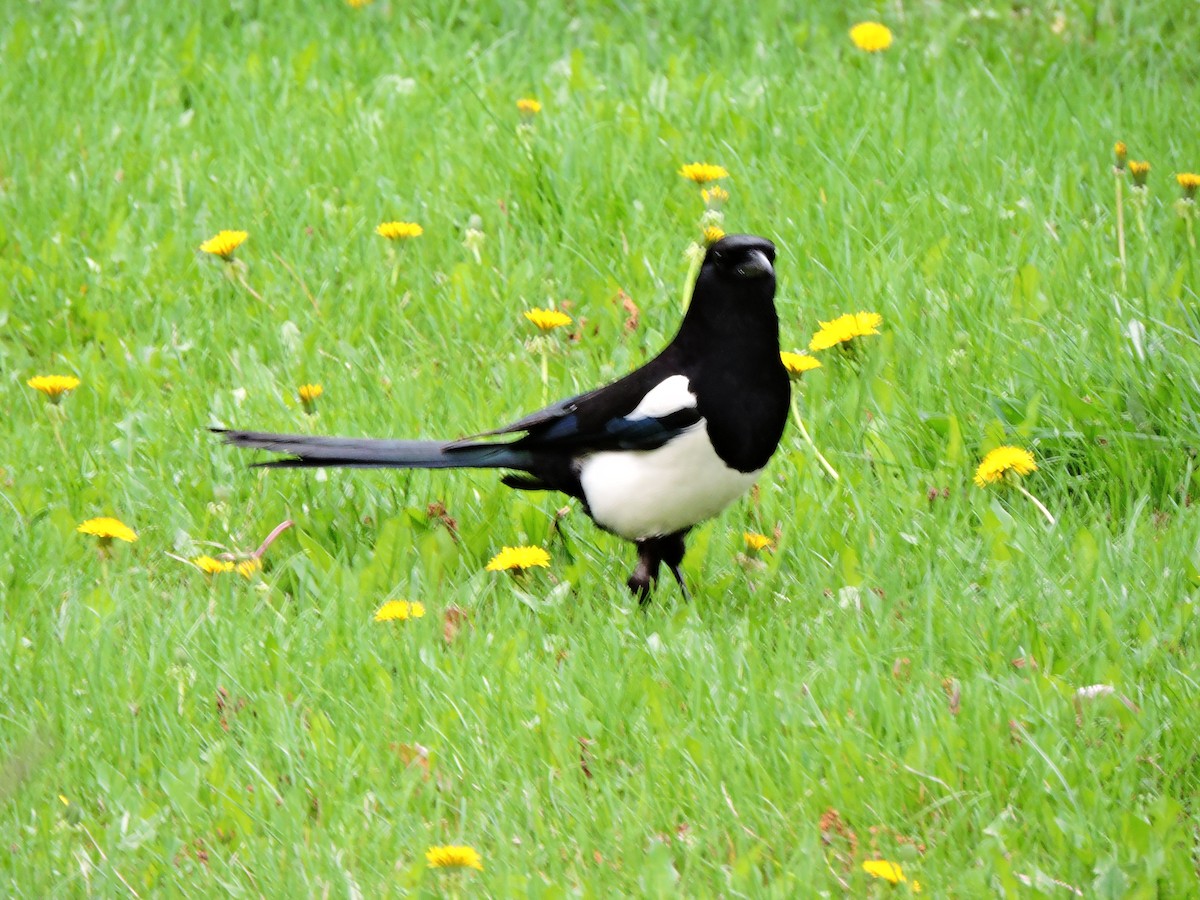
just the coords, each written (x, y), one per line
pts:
(270, 539)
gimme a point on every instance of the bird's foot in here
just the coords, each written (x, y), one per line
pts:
(652, 553)
(640, 584)
(642, 580)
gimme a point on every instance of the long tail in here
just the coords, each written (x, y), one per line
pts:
(302, 451)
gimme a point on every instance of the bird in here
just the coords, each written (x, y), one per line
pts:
(650, 455)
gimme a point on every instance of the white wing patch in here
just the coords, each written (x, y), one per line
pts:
(668, 396)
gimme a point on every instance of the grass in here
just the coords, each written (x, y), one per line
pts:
(897, 679)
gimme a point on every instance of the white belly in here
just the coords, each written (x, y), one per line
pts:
(647, 493)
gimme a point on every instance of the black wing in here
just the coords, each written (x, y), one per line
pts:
(603, 419)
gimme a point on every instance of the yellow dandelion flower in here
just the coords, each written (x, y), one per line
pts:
(223, 243)
(358, 4)
(712, 234)
(798, 363)
(399, 611)
(881, 868)
(1188, 181)
(844, 329)
(210, 566)
(106, 528)
(54, 386)
(871, 36)
(1139, 170)
(397, 231)
(308, 394)
(1120, 153)
(703, 173)
(519, 558)
(756, 541)
(714, 197)
(547, 319)
(453, 858)
(999, 462)
(247, 567)
(528, 106)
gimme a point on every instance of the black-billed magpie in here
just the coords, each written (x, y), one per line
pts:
(651, 454)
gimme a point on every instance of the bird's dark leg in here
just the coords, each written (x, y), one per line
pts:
(672, 555)
(652, 553)
(646, 573)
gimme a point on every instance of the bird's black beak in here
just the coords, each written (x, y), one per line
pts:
(754, 265)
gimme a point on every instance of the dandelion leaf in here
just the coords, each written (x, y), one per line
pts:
(317, 555)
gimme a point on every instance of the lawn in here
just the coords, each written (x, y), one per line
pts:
(916, 669)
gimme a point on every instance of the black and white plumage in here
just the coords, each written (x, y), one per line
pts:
(650, 455)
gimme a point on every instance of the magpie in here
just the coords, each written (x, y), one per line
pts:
(649, 455)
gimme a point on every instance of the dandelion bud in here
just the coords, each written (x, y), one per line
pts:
(1139, 171)
(694, 254)
(1120, 152)
(473, 239)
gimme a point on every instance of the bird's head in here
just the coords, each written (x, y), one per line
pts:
(744, 260)
(737, 275)
(734, 291)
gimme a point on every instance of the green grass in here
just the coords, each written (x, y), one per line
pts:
(216, 735)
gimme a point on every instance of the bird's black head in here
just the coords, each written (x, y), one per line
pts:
(741, 258)
(734, 295)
